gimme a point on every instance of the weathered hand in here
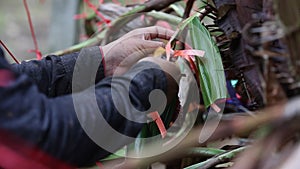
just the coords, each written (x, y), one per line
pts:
(121, 54)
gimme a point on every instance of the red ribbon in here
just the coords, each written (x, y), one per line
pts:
(156, 117)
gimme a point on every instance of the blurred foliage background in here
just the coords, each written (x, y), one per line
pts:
(53, 22)
(14, 28)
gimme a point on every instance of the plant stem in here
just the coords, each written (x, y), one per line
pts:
(217, 160)
(165, 17)
(77, 47)
(188, 8)
(204, 152)
(123, 20)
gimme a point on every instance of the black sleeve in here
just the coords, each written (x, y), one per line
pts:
(53, 74)
(52, 123)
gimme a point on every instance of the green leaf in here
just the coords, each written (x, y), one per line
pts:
(121, 153)
(211, 72)
(178, 9)
(151, 129)
(211, 76)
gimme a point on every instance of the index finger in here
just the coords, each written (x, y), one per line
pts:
(157, 32)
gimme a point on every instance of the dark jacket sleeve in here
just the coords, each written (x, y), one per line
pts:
(53, 74)
(52, 123)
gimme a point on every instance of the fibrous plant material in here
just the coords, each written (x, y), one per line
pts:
(288, 14)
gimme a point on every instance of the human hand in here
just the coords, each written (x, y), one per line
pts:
(172, 73)
(121, 54)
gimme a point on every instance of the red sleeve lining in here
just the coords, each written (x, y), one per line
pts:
(103, 60)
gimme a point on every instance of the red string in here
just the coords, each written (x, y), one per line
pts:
(14, 58)
(36, 50)
(94, 8)
(156, 117)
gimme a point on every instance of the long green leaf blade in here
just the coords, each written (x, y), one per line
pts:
(211, 76)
